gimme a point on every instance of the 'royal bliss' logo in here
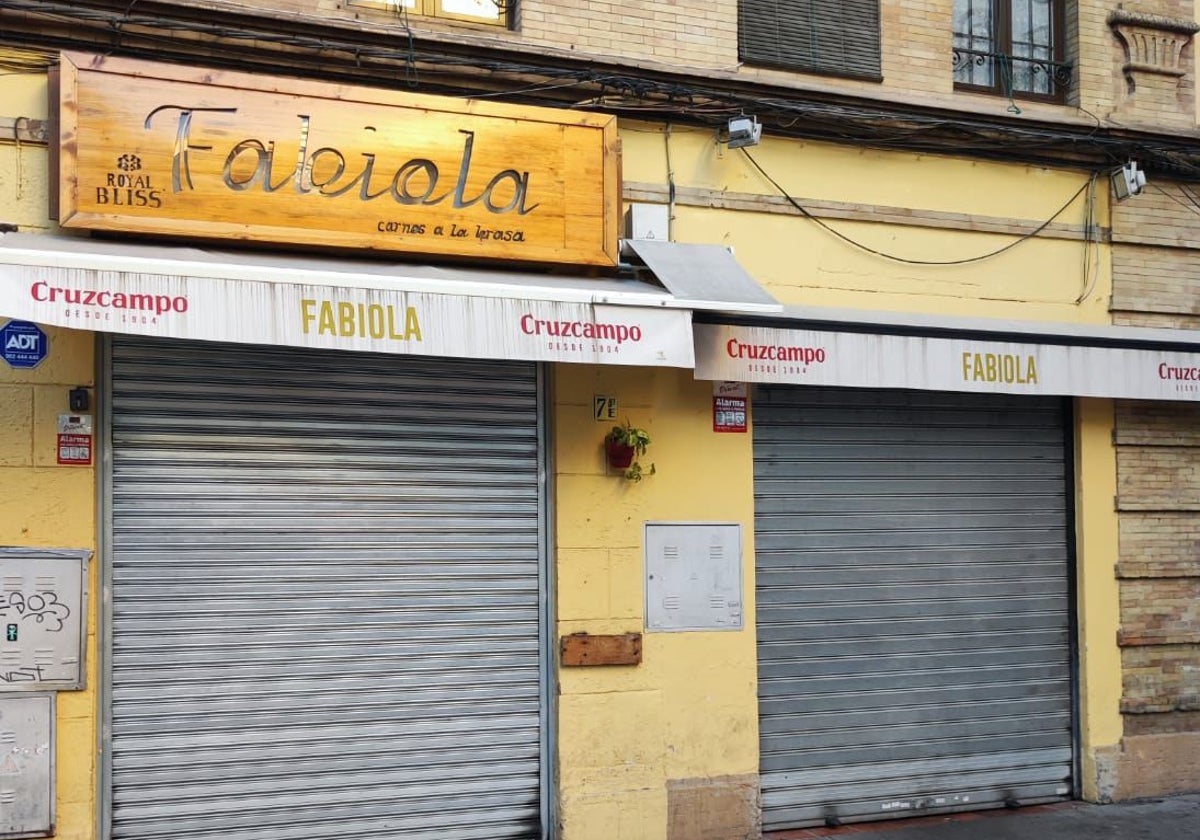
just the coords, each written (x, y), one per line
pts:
(129, 186)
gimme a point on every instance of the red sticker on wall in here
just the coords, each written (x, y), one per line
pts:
(729, 406)
(75, 439)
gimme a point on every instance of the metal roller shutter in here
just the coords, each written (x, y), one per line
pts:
(913, 603)
(325, 582)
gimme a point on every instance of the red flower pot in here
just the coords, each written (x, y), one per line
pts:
(620, 456)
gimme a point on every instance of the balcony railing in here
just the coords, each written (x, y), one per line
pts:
(1012, 75)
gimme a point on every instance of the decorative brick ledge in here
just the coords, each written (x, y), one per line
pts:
(1153, 43)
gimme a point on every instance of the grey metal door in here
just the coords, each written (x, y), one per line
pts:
(913, 603)
(325, 588)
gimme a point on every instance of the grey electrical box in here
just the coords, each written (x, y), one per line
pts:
(647, 221)
(43, 626)
(27, 765)
(693, 576)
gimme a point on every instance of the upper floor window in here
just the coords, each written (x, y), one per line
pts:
(477, 11)
(833, 37)
(1011, 48)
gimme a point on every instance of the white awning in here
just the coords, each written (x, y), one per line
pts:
(261, 298)
(849, 348)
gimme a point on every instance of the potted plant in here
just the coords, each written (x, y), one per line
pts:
(623, 445)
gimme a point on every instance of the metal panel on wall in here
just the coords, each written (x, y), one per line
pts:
(325, 605)
(913, 603)
(27, 765)
(43, 613)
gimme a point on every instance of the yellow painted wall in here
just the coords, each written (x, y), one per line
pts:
(1042, 278)
(24, 199)
(1098, 599)
(55, 506)
(689, 711)
(803, 264)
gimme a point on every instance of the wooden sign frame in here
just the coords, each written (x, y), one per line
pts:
(217, 154)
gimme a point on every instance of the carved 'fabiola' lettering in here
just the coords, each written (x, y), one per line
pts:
(325, 172)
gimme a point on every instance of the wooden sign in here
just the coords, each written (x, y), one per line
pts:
(160, 149)
(584, 649)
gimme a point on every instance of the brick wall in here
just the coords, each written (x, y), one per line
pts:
(1159, 544)
(1156, 257)
(1164, 214)
(1161, 611)
(1159, 477)
(1158, 500)
(1160, 679)
(1093, 52)
(1156, 281)
(701, 36)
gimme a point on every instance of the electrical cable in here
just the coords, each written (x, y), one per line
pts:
(1191, 196)
(670, 184)
(907, 261)
(873, 125)
(539, 88)
(1091, 267)
(1192, 206)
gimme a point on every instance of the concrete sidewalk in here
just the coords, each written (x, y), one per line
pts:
(1168, 818)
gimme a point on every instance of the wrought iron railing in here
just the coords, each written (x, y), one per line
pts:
(1011, 74)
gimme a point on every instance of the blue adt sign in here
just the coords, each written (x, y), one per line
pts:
(22, 344)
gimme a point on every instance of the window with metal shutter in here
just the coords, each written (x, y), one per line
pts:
(833, 37)
(326, 587)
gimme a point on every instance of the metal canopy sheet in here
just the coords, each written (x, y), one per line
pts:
(258, 298)
(1137, 369)
(706, 277)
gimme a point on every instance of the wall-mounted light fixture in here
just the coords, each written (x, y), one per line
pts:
(1127, 181)
(744, 131)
